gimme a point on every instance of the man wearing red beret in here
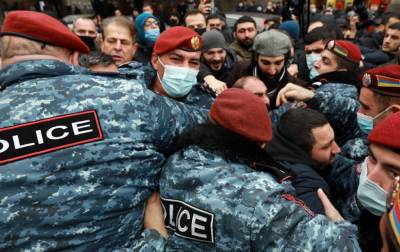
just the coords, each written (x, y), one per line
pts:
(80, 153)
(176, 61)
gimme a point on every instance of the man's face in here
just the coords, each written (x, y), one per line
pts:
(383, 165)
(85, 27)
(327, 63)
(369, 103)
(176, 57)
(325, 148)
(271, 66)
(118, 43)
(214, 23)
(215, 58)
(258, 88)
(147, 9)
(391, 21)
(195, 21)
(391, 42)
(245, 34)
(316, 47)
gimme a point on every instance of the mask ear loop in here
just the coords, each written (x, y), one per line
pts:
(381, 114)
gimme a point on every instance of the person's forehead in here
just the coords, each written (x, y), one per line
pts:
(328, 54)
(367, 97)
(385, 156)
(314, 45)
(116, 31)
(183, 54)
(214, 20)
(85, 24)
(198, 18)
(323, 134)
(272, 58)
(254, 85)
(245, 25)
(393, 31)
(150, 19)
(216, 50)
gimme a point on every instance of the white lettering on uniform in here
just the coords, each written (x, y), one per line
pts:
(17, 143)
(171, 215)
(50, 135)
(39, 136)
(197, 226)
(76, 128)
(5, 145)
(180, 228)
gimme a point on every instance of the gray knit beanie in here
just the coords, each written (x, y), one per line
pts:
(213, 39)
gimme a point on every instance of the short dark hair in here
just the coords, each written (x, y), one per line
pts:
(296, 126)
(395, 26)
(319, 33)
(95, 58)
(214, 16)
(389, 15)
(244, 19)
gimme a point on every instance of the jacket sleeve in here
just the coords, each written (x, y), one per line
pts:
(340, 107)
(171, 118)
(203, 72)
(285, 226)
(151, 241)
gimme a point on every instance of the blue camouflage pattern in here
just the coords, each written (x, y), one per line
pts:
(251, 212)
(339, 103)
(89, 197)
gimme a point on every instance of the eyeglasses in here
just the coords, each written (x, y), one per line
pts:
(150, 23)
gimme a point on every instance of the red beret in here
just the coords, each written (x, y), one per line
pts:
(43, 28)
(243, 113)
(178, 37)
(387, 132)
(345, 49)
(384, 80)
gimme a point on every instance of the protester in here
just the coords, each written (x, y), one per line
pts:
(118, 39)
(244, 32)
(85, 28)
(87, 148)
(196, 21)
(147, 30)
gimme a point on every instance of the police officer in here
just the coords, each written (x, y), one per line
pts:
(79, 153)
(214, 201)
(175, 64)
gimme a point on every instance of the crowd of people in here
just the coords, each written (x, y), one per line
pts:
(136, 134)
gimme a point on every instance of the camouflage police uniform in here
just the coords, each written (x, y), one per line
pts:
(89, 197)
(211, 204)
(339, 103)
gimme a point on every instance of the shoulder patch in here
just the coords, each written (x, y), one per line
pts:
(188, 221)
(43, 136)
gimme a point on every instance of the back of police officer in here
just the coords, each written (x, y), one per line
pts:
(79, 153)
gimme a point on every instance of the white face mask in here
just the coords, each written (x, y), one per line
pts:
(311, 59)
(177, 81)
(370, 194)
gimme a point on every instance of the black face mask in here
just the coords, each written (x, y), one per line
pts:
(89, 41)
(200, 31)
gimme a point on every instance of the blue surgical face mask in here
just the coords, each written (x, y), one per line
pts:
(366, 123)
(177, 81)
(311, 59)
(151, 36)
(370, 194)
